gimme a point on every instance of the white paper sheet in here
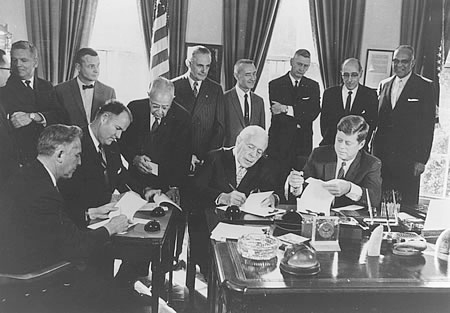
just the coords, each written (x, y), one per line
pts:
(315, 198)
(254, 200)
(128, 205)
(438, 216)
(225, 231)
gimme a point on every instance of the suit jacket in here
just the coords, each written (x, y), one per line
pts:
(207, 113)
(89, 187)
(69, 96)
(405, 134)
(36, 232)
(8, 153)
(17, 97)
(219, 172)
(234, 117)
(365, 171)
(365, 105)
(169, 146)
(289, 136)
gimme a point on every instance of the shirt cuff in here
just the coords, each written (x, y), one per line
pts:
(290, 110)
(217, 199)
(355, 192)
(44, 121)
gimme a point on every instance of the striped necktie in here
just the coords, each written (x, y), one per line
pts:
(341, 172)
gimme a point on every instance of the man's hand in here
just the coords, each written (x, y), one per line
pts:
(194, 162)
(278, 108)
(337, 187)
(150, 193)
(142, 163)
(20, 119)
(101, 211)
(296, 181)
(117, 224)
(419, 168)
(232, 198)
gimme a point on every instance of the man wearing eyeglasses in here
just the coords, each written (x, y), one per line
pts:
(350, 98)
(403, 139)
(228, 176)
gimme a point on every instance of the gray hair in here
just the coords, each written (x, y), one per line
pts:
(55, 135)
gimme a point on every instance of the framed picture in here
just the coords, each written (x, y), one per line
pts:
(378, 66)
(216, 59)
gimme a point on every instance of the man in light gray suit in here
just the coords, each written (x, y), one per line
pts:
(242, 106)
(83, 95)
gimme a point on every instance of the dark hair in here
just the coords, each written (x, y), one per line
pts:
(2, 57)
(57, 134)
(198, 50)
(240, 62)
(302, 52)
(354, 124)
(82, 52)
(25, 45)
(115, 107)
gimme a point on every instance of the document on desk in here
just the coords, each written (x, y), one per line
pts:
(224, 231)
(315, 197)
(253, 205)
(438, 215)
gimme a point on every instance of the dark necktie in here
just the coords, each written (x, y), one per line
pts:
(195, 89)
(28, 83)
(155, 126)
(88, 86)
(348, 102)
(341, 172)
(247, 111)
(296, 84)
(101, 156)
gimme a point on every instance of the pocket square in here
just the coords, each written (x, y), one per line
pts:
(364, 111)
(306, 98)
(413, 100)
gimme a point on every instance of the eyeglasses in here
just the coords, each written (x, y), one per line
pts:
(259, 152)
(348, 75)
(402, 62)
(5, 68)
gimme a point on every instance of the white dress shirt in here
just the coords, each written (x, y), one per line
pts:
(87, 95)
(397, 88)
(345, 95)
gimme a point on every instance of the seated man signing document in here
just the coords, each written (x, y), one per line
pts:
(347, 169)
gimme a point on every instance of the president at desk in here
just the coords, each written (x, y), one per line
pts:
(347, 168)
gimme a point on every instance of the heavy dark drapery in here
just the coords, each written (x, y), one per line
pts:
(247, 29)
(337, 31)
(59, 28)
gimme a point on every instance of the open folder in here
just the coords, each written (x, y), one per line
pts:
(253, 205)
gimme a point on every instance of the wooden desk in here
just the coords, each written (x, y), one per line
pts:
(158, 247)
(347, 282)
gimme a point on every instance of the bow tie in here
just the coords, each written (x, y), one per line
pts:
(88, 86)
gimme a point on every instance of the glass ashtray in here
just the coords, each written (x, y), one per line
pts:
(258, 246)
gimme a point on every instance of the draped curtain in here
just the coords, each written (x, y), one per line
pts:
(247, 29)
(177, 21)
(59, 28)
(337, 31)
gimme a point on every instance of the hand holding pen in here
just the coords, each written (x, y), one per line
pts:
(234, 197)
(296, 181)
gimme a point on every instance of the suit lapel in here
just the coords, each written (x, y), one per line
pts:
(357, 103)
(237, 106)
(202, 97)
(387, 93)
(255, 110)
(407, 90)
(230, 167)
(330, 166)
(75, 90)
(354, 168)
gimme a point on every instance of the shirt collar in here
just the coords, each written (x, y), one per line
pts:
(50, 173)
(81, 84)
(191, 82)
(404, 79)
(241, 92)
(345, 90)
(94, 139)
(31, 81)
(347, 163)
(293, 79)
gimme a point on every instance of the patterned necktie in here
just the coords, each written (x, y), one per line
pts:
(28, 83)
(247, 110)
(348, 102)
(155, 126)
(195, 89)
(296, 84)
(341, 172)
(101, 155)
(240, 174)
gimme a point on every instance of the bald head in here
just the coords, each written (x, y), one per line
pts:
(351, 72)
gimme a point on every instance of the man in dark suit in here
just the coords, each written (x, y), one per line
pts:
(160, 153)
(403, 140)
(83, 95)
(203, 99)
(349, 98)
(242, 106)
(348, 170)
(37, 233)
(227, 178)
(30, 102)
(295, 104)
(8, 157)
(102, 170)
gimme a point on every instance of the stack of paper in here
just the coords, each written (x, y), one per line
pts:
(315, 197)
(224, 231)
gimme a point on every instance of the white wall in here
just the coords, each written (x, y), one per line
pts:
(12, 12)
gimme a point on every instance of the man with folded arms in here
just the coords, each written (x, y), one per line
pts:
(36, 231)
(348, 170)
(405, 131)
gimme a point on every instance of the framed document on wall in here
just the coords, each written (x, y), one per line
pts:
(216, 59)
(378, 66)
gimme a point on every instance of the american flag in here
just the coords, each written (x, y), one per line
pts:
(159, 56)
